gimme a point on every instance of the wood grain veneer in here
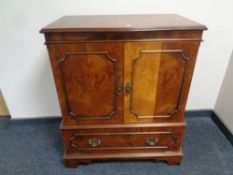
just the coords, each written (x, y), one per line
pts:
(122, 83)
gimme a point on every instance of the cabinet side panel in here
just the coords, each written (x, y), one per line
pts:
(56, 76)
(191, 52)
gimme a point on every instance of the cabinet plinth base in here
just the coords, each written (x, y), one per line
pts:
(171, 157)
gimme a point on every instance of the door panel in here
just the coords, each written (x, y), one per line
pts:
(88, 78)
(89, 74)
(144, 80)
(141, 72)
(156, 76)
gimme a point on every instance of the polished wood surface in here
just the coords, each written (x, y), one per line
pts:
(86, 81)
(127, 125)
(113, 23)
(123, 139)
(156, 36)
(123, 89)
(141, 73)
(157, 72)
(171, 157)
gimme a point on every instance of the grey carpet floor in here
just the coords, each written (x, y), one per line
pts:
(36, 149)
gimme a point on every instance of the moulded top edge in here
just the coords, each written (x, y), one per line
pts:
(122, 23)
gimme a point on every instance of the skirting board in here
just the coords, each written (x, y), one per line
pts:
(5, 121)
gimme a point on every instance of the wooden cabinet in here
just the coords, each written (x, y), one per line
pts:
(122, 83)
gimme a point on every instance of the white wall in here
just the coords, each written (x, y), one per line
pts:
(25, 75)
(224, 104)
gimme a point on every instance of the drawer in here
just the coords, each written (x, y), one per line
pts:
(130, 140)
(155, 139)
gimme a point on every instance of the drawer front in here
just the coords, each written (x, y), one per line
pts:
(124, 140)
(130, 140)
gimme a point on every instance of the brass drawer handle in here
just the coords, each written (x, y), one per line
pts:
(152, 141)
(94, 142)
(128, 88)
(119, 88)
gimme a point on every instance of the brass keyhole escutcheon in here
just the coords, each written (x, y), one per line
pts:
(128, 89)
(94, 142)
(119, 88)
(152, 141)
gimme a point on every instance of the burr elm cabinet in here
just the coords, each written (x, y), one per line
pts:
(122, 83)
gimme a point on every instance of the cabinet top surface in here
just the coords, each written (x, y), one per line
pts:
(121, 23)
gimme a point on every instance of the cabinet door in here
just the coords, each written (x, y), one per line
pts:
(89, 79)
(157, 79)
